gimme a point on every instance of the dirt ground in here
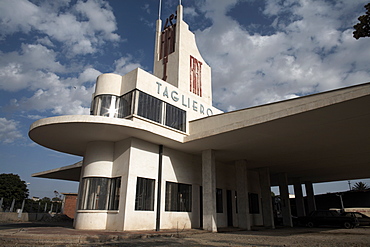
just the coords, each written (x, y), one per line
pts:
(298, 236)
(278, 237)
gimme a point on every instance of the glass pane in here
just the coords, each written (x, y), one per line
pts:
(100, 193)
(125, 105)
(106, 105)
(178, 197)
(115, 188)
(150, 107)
(144, 199)
(175, 117)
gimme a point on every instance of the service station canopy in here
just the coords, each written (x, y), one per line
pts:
(319, 138)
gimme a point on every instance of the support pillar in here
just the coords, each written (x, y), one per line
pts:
(209, 190)
(311, 204)
(242, 194)
(284, 197)
(266, 201)
(299, 197)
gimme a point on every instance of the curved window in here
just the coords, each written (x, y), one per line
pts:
(100, 193)
(141, 104)
(106, 105)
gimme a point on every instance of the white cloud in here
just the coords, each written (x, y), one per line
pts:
(27, 68)
(9, 131)
(125, 65)
(81, 28)
(311, 50)
(190, 12)
(36, 69)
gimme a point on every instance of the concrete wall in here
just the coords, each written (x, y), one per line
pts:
(181, 168)
(254, 187)
(143, 163)
(10, 216)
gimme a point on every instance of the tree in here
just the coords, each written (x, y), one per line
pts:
(12, 187)
(360, 186)
(362, 29)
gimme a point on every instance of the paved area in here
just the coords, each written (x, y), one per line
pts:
(62, 234)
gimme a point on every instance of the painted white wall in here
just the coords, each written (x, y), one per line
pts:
(98, 159)
(91, 220)
(143, 163)
(183, 168)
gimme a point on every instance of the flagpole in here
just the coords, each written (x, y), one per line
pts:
(159, 9)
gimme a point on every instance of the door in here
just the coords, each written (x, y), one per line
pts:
(229, 205)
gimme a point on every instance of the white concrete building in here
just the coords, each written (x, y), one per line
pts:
(158, 155)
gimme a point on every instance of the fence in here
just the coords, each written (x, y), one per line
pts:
(30, 206)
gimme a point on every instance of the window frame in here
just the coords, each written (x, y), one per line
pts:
(100, 193)
(179, 197)
(145, 192)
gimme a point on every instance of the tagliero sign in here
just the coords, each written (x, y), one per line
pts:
(185, 101)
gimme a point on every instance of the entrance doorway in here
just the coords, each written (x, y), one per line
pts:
(201, 207)
(229, 207)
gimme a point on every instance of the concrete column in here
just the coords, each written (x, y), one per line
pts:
(299, 197)
(266, 201)
(311, 204)
(284, 197)
(209, 190)
(242, 194)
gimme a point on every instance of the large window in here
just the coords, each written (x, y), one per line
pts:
(144, 199)
(219, 201)
(147, 106)
(175, 117)
(106, 105)
(100, 193)
(178, 197)
(125, 105)
(150, 107)
(113, 106)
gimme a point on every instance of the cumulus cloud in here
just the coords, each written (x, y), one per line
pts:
(9, 131)
(61, 30)
(81, 28)
(125, 65)
(311, 49)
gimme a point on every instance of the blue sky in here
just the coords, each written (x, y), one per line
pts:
(260, 52)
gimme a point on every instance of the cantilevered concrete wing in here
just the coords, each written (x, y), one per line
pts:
(319, 138)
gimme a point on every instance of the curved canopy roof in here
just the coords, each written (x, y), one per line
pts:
(319, 138)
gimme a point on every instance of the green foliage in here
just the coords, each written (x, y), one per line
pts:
(360, 186)
(362, 29)
(12, 187)
(45, 199)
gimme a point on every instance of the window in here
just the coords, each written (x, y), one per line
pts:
(254, 207)
(100, 193)
(106, 105)
(178, 197)
(175, 117)
(147, 106)
(125, 105)
(150, 107)
(112, 106)
(144, 194)
(219, 202)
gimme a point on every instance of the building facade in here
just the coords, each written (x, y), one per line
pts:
(158, 155)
